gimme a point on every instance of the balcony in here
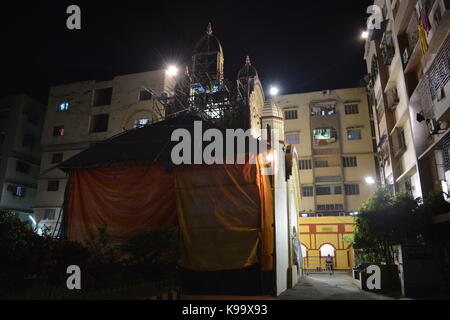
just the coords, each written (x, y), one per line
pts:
(392, 98)
(387, 49)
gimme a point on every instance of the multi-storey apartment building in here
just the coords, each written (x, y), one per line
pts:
(21, 121)
(333, 134)
(81, 114)
(408, 59)
(408, 64)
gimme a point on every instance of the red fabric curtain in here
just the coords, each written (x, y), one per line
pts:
(128, 200)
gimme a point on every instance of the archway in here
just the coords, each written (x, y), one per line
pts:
(327, 249)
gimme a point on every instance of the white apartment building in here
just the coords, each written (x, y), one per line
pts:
(83, 113)
(21, 121)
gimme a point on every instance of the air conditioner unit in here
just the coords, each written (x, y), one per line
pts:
(433, 126)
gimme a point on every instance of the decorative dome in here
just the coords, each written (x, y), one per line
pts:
(208, 43)
(247, 71)
(208, 58)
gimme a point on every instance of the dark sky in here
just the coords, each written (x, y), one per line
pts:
(298, 45)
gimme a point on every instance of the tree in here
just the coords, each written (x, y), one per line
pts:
(385, 221)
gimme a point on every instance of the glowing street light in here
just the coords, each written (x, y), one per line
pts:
(274, 91)
(365, 34)
(370, 180)
(172, 71)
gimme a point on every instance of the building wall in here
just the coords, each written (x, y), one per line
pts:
(21, 124)
(410, 71)
(362, 149)
(124, 108)
(335, 231)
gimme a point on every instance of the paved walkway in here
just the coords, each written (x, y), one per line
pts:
(325, 287)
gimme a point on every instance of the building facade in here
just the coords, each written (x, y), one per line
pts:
(332, 133)
(408, 60)
(21, 122)
(81, 114)
(408, 64)
(325, 236)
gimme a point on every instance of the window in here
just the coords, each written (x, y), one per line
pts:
(291, 115)
(307, 191)
(22, 167)
(327, 190)
(305, 164)
(63, 106)
(324, 136)
(330, 207)
(144, 95)
(58, 131)
(140, 123)
(351, 189)
(53, 185)
(328, 179)
(321, 164)
(28, 141)
(354, 134)
(323, 110)
(49, 214)
(293, 139)
(352, 109)
(102, 97)
(19, 191)
(57, 158)
(350, 162)
(99, 123)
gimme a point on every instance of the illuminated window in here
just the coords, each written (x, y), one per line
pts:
(140, 123)
(63, 106)
(58, 131)
(324, 136)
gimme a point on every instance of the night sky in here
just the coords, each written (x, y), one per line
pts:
(300, 46)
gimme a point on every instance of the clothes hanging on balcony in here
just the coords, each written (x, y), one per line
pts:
(425, 20)
(423, 38)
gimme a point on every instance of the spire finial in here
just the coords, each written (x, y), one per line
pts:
(209, 30)
(248, 62)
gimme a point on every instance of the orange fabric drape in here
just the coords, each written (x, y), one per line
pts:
(224, 212)
(128, 200)
(220, 215)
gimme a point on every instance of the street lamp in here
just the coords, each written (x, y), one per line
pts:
(274, 91)
(365, 35)
(370, 180)
(172, 71)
